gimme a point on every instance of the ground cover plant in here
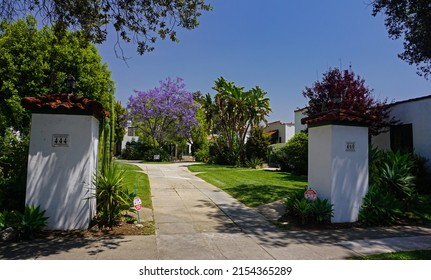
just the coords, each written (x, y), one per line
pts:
(253, 187)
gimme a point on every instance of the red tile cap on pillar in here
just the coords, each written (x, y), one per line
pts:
(338, 115)
(66, 103)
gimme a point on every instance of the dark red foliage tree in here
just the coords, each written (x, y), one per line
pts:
(344, 90)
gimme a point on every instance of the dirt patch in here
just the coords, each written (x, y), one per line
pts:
(145, 228)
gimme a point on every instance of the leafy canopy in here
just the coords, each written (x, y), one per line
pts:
(140, 21)
(36, 62)
(164, 114)
(344, 90)
(410, 20)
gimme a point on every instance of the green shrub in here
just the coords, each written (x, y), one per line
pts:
(257, 145)
(379, 207)
(314, 212)
(4, 219)
(220, 153)
(322, 211)
(296, 154)
(302, 209)
(29, 224)
(290, 200)
(163, 155)
(396, 175)
(203, 154)
(13, 170)
(112, 197)
(275, 154)
(134, 150)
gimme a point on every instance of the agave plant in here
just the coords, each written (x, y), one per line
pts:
(322, 211)
(111, 196)
(396, 174)
(31, 222)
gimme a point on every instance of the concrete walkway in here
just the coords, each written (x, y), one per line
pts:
(196, 220)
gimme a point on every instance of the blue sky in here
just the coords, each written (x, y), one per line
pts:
(281, 46)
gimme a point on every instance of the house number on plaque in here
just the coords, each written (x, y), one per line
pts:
(350, 146)
(60, 140)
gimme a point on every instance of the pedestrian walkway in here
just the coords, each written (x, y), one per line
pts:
(196, 220)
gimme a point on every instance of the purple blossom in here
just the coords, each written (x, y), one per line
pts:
(165, 113)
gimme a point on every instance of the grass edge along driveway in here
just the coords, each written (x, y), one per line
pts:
(253, 187)
(135, 175)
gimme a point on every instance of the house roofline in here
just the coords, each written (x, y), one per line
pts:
(283, 123)
(410, 100)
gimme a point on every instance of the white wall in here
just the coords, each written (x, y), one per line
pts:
(59, 179)
(285, 130)
(418, 113)
(299, 114)
(336, 174)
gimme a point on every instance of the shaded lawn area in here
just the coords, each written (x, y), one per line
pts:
(135, 175)
(409, 255)
(252, 187)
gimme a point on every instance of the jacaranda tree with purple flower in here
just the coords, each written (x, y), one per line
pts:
(164, 114)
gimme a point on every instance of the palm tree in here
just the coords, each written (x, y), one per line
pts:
(238, 111)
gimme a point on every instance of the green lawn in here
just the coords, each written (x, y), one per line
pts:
(410, 255)
(250, 186)
(135, 175)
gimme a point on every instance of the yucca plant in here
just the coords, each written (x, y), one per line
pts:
(111, 196)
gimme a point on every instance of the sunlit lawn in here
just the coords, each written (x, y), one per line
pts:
(410, 255)
(250, 186)
(135, 176)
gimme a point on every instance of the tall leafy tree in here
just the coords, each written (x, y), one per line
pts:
(344, 90)
(234, 113)
(35, 62)
(411, 21)
(140, 21)
(164, 114)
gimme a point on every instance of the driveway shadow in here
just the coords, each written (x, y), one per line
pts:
(44, 247)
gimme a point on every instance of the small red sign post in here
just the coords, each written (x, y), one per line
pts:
(310, 195)
(137, 203)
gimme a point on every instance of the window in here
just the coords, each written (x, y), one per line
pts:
(402, 138)
(130, 131)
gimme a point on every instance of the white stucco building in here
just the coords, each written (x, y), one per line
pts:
(414, 131)
(130, 135)
(299, 114)
(280, 132)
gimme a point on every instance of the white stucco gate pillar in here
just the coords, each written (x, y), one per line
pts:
(63, 158)
(338, 160)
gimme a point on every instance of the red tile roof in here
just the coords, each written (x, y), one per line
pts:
(341, 115)
(64, 102)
